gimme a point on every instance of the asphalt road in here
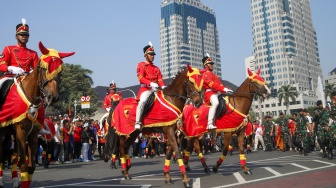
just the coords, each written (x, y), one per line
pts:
(269, 169)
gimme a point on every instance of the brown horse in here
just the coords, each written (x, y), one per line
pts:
(233, 121)
(187, 84)
(30, 93)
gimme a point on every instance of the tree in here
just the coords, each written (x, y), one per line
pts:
(285, 93)
(329, 87)
(76, 82)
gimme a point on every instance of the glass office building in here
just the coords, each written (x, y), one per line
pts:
(187, 32)
(286, 50)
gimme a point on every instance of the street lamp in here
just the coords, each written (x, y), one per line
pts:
(75, 104)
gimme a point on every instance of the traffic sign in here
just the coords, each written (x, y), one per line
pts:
(83, 98)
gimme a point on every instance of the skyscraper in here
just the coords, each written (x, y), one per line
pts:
(188, 31)
(286, 50)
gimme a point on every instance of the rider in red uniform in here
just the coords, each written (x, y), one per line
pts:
(213, 87)
(19, 59)
(112, 96)
(150, 79)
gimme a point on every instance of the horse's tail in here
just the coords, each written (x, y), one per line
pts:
(108, 144)
(111, 137)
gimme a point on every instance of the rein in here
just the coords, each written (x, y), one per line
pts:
(189, 92)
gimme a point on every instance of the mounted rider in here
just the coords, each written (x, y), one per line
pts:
(112, 96)
(213, 87)
(19, 59)
(150, 79)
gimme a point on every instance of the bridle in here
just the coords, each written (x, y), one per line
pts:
(190, 93)
(44, 81)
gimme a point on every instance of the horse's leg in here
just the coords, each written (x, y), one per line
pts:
(187, 153)
(227, 138)
(200, 155)
(32, 150)
(148, 146)
(122, 140)
(166, 168)
(240, 136)
(19, 159)
(169, 131)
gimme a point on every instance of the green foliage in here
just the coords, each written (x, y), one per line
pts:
(287, 92)
(76, 82)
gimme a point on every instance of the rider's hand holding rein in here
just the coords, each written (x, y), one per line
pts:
(15, 70)
(154, 86)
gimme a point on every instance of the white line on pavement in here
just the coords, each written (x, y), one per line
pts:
(239, 177)
(300, 166)
(272, 171)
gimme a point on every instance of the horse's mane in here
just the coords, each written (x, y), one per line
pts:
(180, 72)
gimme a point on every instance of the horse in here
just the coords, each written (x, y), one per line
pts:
(233, 120)
(169, 104)
(22, 113)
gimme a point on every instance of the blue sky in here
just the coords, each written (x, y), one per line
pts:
(108, 35)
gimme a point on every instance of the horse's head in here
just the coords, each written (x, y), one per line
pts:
(258, 85)
(194, 84)
(51, 65)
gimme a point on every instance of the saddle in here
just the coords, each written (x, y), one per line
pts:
(221, 109)
(5, 84)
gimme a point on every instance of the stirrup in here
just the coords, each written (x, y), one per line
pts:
(211, 126)
(138, 126)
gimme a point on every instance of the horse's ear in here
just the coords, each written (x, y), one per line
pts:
(63, 55)
(249, 72)
(189, 68)
(258, 72)
(43, 49)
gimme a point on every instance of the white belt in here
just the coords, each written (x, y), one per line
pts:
(144, 85)
(209, 90)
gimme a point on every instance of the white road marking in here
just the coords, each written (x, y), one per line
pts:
(332, 164)
(300, 166)
(197, 183)
(272, 171)
(239, 177)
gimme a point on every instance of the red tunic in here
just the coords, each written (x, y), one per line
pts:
(147, 73)
(19, 57)
(211, 84)
(111, 97)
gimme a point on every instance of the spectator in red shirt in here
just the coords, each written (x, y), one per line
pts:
(78, 139)
(67, 129)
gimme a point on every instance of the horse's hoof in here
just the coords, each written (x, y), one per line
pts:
(248, 172)
(214, 169)
(127, 177)
(324, 155)
(188, 169)
(169, 181)
(174, 160)
(207, 170)
(187, 184)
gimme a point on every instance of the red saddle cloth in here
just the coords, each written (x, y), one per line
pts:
(195, 120)
(123, 117)
(16, 108)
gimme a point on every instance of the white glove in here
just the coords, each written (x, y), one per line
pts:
(15, 70)
(108, 109)
(154, 86)
(227, 90)
(163, 87)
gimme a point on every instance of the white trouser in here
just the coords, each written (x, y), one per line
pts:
(214, 105)
(143, 98)
(85, 151)
(256, 139)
